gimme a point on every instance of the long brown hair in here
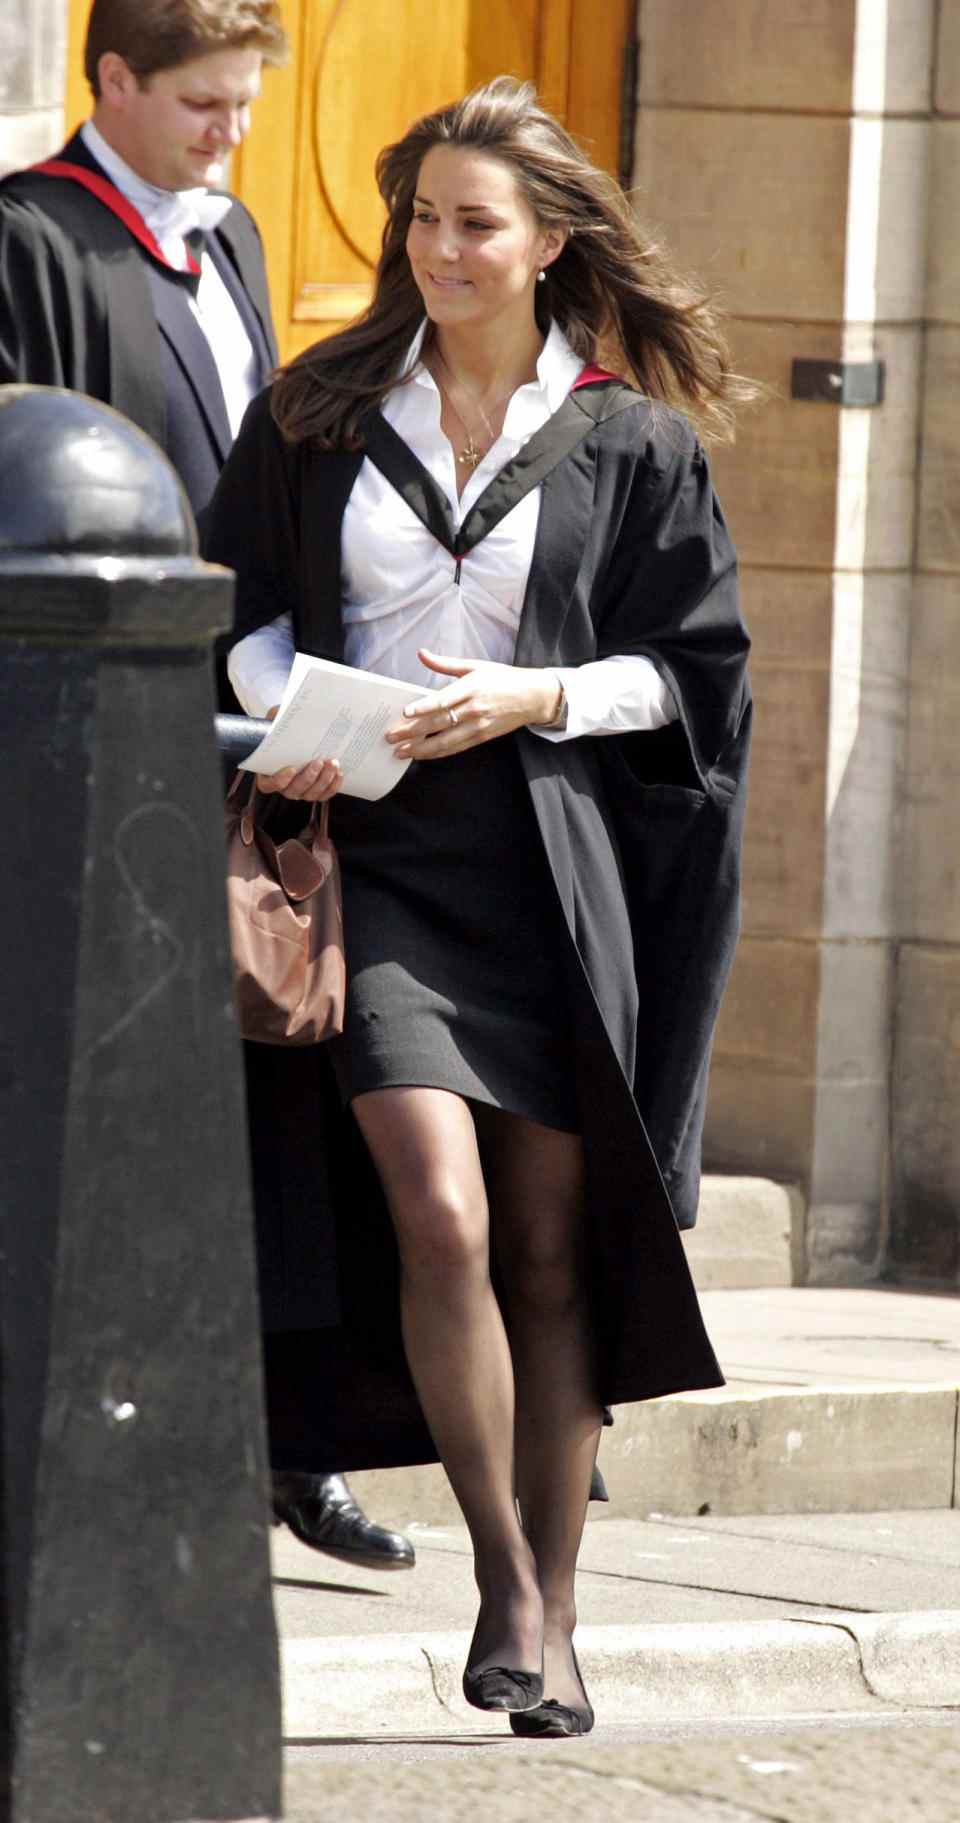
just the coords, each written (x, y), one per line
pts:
(612, 291)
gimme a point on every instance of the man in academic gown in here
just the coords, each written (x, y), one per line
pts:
(125, 274)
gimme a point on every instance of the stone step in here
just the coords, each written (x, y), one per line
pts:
(838, 1400)
(848, 1663)
(704, 1618)
(749, 1234)
(840, 1449)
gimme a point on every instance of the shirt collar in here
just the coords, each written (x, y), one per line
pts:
(164, 211)
(557, 368)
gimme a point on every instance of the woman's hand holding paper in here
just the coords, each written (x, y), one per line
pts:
(484, 701)
(312, 784)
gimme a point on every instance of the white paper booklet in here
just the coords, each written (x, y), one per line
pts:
(333, 712)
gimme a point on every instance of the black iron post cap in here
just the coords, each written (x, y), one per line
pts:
(77, 480)
(97, 539)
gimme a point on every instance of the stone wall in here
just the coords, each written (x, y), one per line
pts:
(926, 1111)
(800, 156)
(33, 35)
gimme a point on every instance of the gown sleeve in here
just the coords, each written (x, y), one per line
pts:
(670, 594)
(35, 332)
(252, 524)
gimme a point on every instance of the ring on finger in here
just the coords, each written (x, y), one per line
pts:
(454, 718)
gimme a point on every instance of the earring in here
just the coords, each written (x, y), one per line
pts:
(540, 277)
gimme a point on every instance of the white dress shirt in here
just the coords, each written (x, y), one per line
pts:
(400, 588)
(170, 215)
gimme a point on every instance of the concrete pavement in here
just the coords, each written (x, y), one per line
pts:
(692, 1607)
(770, 1604)
(709, 1618)
(904, 1771)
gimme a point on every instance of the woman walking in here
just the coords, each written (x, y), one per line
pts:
(539, 917)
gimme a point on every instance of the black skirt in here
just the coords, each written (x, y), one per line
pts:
(456, 947)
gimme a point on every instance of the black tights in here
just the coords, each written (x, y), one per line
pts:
(513, 1419)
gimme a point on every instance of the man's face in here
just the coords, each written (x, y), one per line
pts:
(179, 127)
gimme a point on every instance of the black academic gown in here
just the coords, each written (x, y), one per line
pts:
(632, 556)
(84, 304)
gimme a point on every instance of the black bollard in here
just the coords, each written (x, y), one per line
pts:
(141, 1675)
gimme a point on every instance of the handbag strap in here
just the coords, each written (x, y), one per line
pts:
(318, 822)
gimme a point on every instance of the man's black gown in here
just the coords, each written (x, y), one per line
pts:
(84, 304)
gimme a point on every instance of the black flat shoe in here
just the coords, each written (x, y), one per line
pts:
(500, 1688)
(553, 1720)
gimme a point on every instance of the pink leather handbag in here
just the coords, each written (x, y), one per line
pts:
(286, 923)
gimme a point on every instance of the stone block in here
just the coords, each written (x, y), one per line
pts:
(749, 1233)
(778, 482)
(887, 212)
(716, 185)
(770, 1011)
(930, 879)
(925, 1227)
(912, 1660)
(747, 53)
(844, 1242)
(25, 139)
(791, 1450)
(33, 45)
(637, 1676)
(894, 56)
(866, 754)
(855, 1013)
(938, 530)
(813, 486)
(758, 1122)
(778, 54)
(943, 253)
(781, 1450)
(845, 1233)
(761, 1103)
(946, 86)
(783, 860)
(790, 616)
(407, 1497)
(876, 483)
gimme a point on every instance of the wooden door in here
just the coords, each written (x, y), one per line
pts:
(361, 71)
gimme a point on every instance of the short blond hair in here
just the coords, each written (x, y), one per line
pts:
(152, 35)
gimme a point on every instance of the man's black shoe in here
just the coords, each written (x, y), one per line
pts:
(321, 1511)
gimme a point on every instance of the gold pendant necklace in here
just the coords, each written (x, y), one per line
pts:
(471, 452)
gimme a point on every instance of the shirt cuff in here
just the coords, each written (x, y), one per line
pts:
(624, 694)
(259, 665)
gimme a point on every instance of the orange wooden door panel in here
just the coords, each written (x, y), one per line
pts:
(77, 100)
